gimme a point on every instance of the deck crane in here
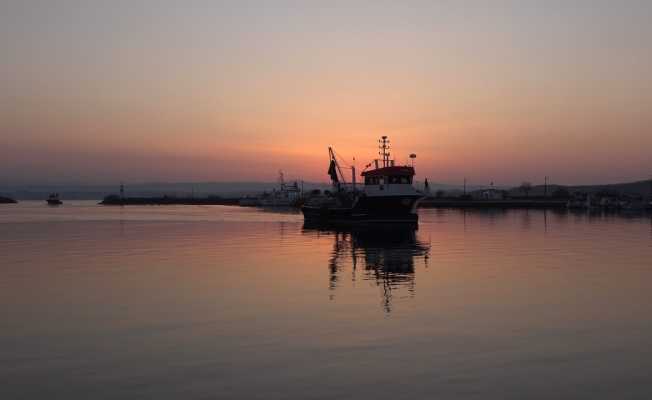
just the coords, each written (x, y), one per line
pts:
(335, 171)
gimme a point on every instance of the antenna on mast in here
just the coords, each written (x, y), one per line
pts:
(384, 150)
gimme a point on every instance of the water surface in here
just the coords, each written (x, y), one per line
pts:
(228, 302)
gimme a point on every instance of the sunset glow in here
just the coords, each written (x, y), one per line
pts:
(200, 91)
(301, 199)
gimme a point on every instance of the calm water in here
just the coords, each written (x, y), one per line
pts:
(226, 302)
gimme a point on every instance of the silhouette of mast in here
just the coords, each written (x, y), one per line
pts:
(384, 150)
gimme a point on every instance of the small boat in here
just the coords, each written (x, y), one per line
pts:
(386, 196)
(54, 200)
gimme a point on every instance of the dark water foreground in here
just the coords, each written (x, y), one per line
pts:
(223, 302)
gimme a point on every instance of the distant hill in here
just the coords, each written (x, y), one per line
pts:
(238, 189)
(178, 189)
(641, 188)
(151, 189)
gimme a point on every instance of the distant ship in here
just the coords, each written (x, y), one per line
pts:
(288, 195)
(388, 194)
(54, 200)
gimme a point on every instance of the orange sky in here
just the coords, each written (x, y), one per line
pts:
(166, 91)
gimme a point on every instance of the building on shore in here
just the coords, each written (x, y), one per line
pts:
(488, 194)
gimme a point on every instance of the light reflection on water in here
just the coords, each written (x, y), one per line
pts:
(174, 302)
(386, 254)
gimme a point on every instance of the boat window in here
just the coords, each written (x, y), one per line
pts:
(399, 179)
(371, 180)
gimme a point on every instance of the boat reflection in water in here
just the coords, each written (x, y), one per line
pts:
(383, 254)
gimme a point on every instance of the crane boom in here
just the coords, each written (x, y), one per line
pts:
(331, 155)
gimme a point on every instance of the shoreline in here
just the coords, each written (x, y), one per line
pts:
(508, 203)
(143, 201)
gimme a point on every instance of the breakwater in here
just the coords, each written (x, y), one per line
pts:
(168, 200)
(506, 203)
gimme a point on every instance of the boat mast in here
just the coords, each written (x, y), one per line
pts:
(281, 180)
(384, 150)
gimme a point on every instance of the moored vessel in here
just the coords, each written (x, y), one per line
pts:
(54, 200)
(288, 195)
(387, 193)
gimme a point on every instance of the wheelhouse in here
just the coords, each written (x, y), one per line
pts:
(394, 180)
(389, 176)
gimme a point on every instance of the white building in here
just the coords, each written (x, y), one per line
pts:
(488, 194)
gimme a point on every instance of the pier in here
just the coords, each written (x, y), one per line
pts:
(168, 200)
(7, 200)
(502, 203)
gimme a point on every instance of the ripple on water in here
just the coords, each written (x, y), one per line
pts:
(161, 301)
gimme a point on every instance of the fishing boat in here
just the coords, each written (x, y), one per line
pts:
(387, 193)
(54, 200)
(288, 195)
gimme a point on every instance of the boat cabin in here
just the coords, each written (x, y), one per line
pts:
(387, 181)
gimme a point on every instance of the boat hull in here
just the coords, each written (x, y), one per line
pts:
(385, 209)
